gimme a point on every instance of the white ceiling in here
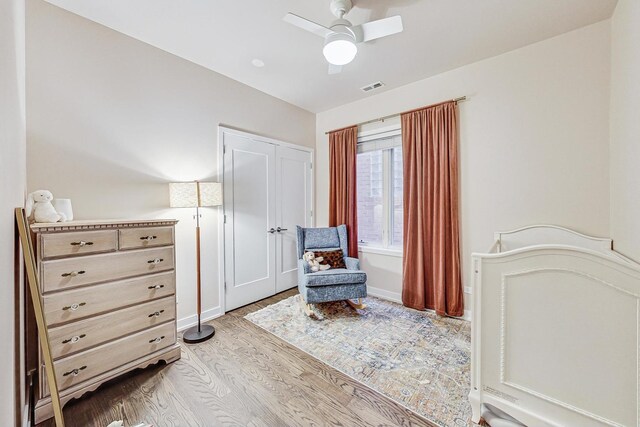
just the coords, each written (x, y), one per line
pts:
(439, 35)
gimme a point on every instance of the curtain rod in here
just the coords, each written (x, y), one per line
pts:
(382, 119)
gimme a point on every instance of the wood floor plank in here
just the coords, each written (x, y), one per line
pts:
(243, 376)
(395, 413)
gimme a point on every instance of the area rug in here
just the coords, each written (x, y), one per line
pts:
(416, 358)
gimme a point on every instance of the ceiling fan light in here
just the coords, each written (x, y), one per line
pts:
(339, 49)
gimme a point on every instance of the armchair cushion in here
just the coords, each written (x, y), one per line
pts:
(352, 263)
(316, 294)
(304, 267)
(328, 238)
(334, 276)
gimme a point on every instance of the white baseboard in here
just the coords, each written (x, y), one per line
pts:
(467, 313)
(189, 321)
(384, 294)
(397, 297)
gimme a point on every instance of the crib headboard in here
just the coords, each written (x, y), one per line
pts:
(555, 330)
(535, 235)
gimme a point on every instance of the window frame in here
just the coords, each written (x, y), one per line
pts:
(394, 132)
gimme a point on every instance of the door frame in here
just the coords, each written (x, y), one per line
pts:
(222, 130)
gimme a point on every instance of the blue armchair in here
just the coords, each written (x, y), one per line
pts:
(335, 284)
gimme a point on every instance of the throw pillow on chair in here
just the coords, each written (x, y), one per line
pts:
(334, 259)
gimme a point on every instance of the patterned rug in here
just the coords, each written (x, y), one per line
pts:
(416, 358)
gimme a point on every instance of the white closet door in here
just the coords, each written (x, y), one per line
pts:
(250, 209)
(293, 207)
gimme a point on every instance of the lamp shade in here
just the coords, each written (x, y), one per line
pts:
(195, 194)
(210, 193)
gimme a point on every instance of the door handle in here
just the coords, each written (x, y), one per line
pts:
(281, 229)
(271, 230)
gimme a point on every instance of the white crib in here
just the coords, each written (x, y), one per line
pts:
(556, 330)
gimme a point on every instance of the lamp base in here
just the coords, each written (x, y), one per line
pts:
(193, 336)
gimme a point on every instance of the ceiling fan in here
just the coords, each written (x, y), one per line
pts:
(341, 37)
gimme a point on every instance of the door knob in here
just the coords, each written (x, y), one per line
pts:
(271, 230)
(281, 229)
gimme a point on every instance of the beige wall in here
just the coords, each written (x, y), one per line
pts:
(112, 120)
(625, 128)
(12, 165)
(533, 141)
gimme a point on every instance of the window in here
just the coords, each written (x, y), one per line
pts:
(379, 180)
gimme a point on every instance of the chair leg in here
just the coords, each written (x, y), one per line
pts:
(359, 305)
(307, 308)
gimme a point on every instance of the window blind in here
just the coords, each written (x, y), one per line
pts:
(384, 143)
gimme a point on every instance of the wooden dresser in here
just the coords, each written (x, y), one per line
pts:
(108, 292)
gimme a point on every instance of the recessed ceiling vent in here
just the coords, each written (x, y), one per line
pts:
(372, 86)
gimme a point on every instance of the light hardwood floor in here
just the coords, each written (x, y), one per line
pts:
(243, 376)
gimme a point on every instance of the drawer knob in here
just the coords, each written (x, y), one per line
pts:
(74, 339)
(155, 261)
(74, 372)
(156, 314)
(148, 238)
(156, 340)
(156, 287)
(74, 306)
(81, 243)
(73, 273)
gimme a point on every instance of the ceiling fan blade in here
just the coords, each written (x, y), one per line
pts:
(380, 28)
(335, 69)
(305, 24)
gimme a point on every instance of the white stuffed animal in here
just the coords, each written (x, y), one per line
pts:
(314, 262)
(39, 203)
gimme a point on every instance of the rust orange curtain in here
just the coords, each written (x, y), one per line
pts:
(431, 264)
(342, 183)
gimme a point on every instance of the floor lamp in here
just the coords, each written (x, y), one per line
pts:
(196, 195)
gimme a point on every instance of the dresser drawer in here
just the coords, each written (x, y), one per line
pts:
(78, 336)
(76, 304)
(136, 238)
(88, 364)
(71, 272)
(80, 243)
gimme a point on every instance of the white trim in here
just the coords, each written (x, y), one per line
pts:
(382, 141)
(557, 227)
(382, 132)
(384, 294)
(222, 130)
(313, 188)
(189, 321)
(465, 316)
(397, 298)
(226, 129)
(387, 194)
(533, 235)
(221, 215)
(380, 251)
